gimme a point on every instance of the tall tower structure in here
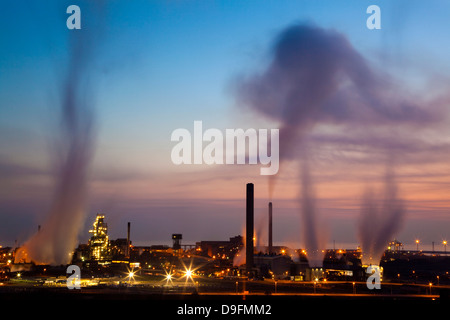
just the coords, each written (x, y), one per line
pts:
(128, 250)
(249, 228)
(270, 228)
(99, 241)
(176, 237)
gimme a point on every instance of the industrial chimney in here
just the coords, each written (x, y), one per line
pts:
(128, 241)
(270, 228)
(249, 231)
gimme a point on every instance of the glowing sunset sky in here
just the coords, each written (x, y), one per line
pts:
(161, 65)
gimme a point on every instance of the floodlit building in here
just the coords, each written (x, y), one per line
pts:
(220, 249)
(395, 246)
(119, 248)
(99, 249)
(276, 265)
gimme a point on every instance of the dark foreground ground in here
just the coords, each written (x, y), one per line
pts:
(190, 304)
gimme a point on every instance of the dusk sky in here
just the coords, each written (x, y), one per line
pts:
(156, 66)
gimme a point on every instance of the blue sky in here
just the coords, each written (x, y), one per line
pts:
(160, 65)
(149, 49)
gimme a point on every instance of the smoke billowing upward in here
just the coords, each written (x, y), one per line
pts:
(316, 76)
(58, 236)
(313, 237)
(380, 219)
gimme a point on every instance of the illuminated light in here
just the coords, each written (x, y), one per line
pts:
(169, 276)
(131, 274)
(188, 271)
(417, 244)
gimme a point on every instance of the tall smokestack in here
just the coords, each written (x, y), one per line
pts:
(128, 240)
(270, 228)
(249, 226)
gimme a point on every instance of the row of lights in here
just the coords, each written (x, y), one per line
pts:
(444, 242)
(187, 273)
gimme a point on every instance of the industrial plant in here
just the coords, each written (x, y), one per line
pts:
(230, 267)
